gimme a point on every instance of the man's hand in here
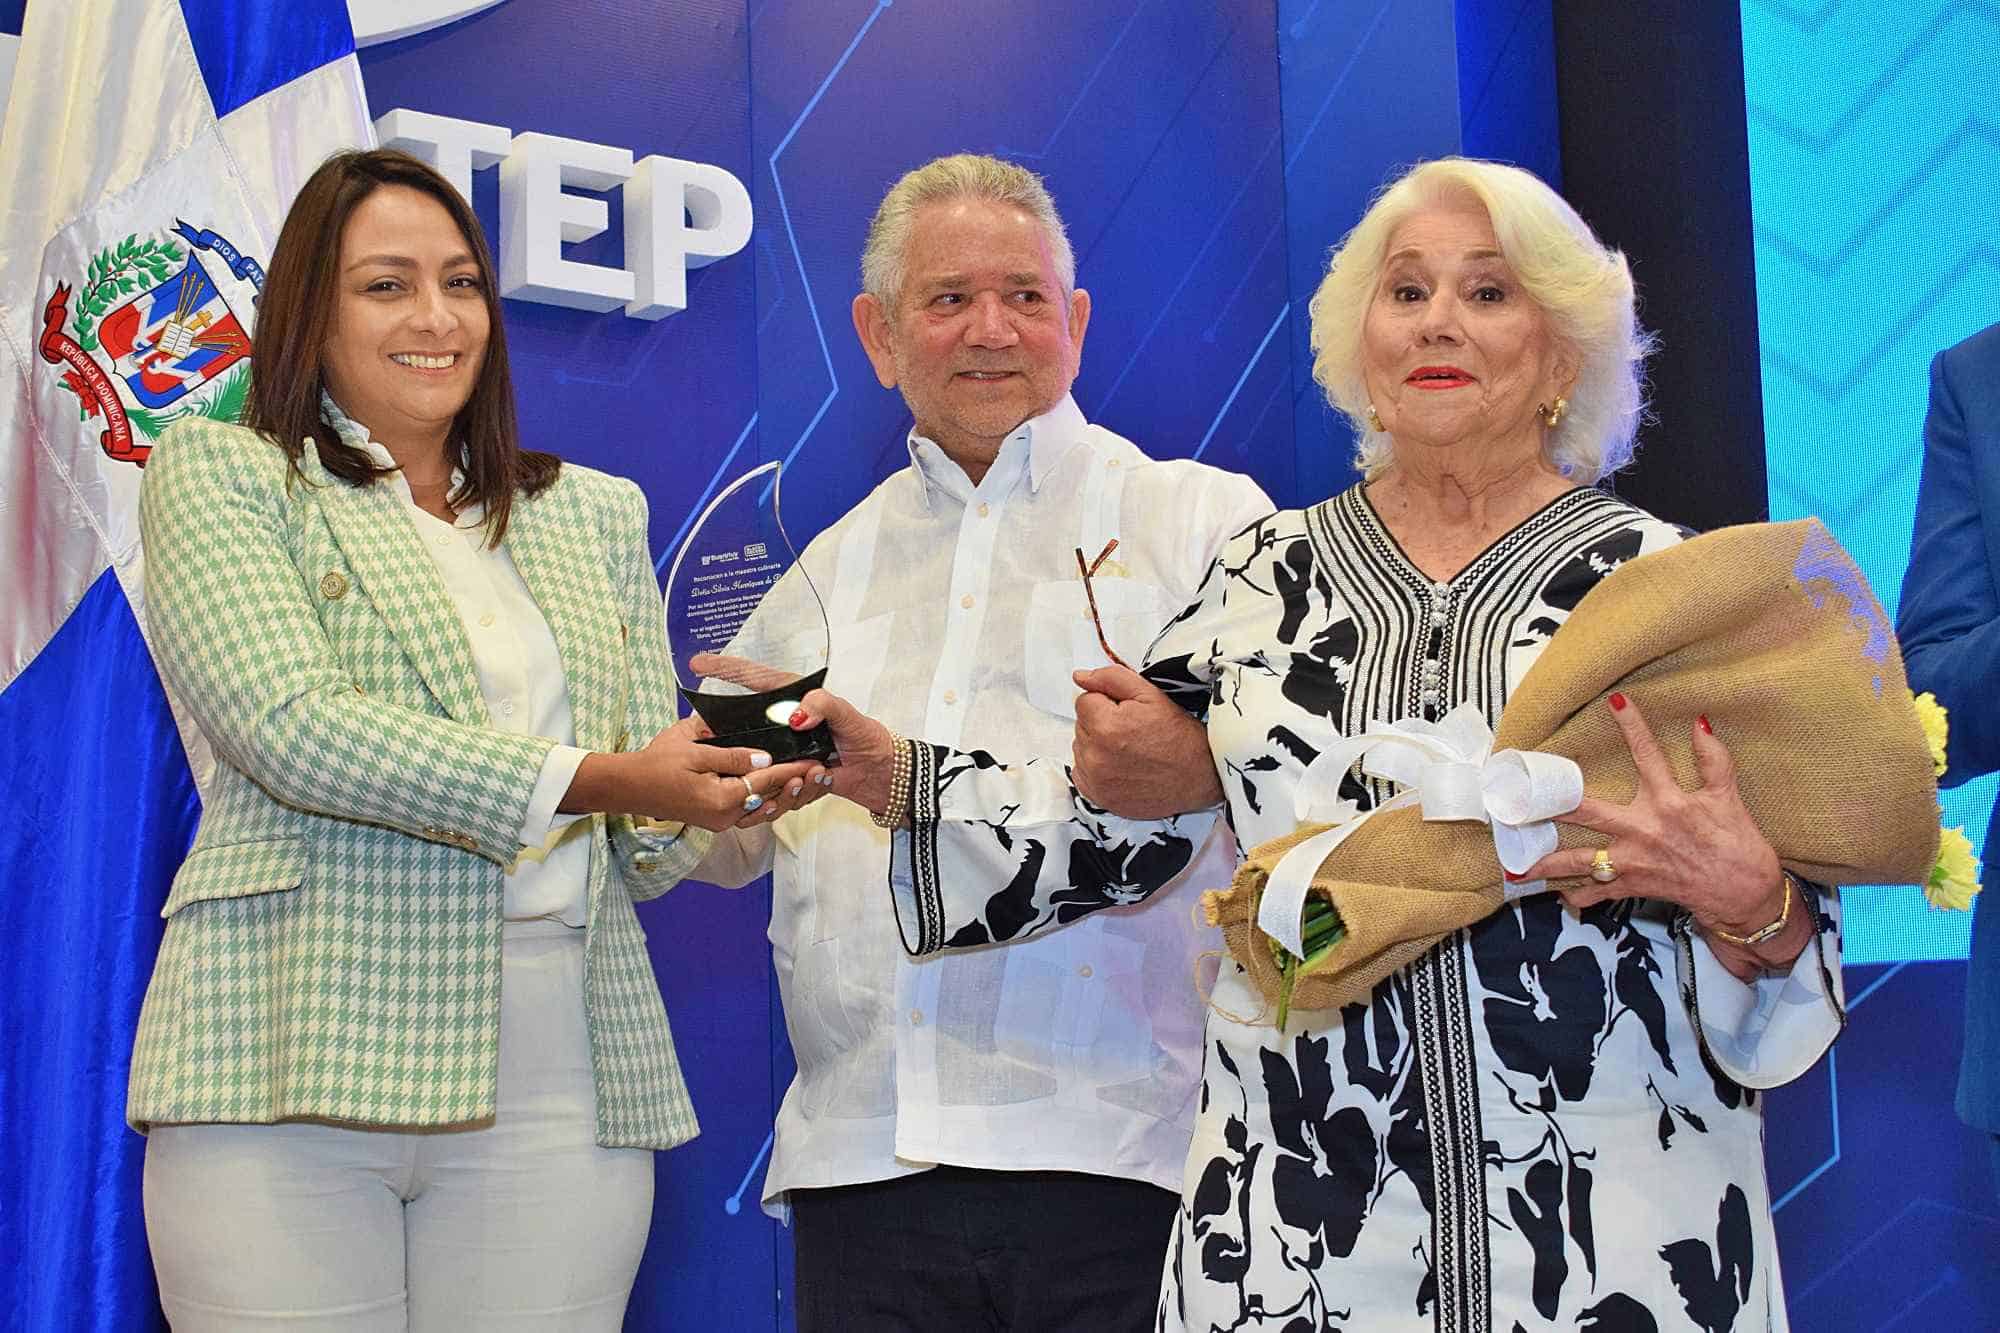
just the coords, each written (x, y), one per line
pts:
(1137, 753)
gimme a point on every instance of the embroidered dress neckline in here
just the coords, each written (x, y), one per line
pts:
(1383, 542)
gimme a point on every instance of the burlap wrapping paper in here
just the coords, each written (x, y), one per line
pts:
(1771, 631)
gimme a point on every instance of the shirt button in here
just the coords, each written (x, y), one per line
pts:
(966, 601)
(951, 696)
(508, 708)
(487, 620)
(1113, 463)
(916, 1018)
(444, 539)
(985, 509)
(1083, 971)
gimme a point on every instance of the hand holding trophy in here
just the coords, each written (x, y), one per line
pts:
(692, 781)
(746, 630)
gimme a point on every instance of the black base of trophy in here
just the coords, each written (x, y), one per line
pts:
(747, 720)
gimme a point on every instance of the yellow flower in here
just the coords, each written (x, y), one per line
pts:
(1955, 878)
(1937, 727)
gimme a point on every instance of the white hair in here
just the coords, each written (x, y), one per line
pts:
(960, 176)
(1583, 287)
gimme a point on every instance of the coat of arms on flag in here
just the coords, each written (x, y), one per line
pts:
(155, 311)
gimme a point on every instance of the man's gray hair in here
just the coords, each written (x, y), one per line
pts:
(960, 176)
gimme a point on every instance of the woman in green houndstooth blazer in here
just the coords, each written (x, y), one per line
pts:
(403, 1058)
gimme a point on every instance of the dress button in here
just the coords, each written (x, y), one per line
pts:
(985, 509)
(1113, 463)
(951, 696)
(1438, 617)
(1083, 971)
(1429, 696)
(1440, 590)
(508, 708)
(486, 620)
(966, 601)
(916, 1018)
(444, 539)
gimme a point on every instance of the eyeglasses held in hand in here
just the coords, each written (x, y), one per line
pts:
(1090, 593)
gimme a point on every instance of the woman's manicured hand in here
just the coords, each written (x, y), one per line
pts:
(1699, 849)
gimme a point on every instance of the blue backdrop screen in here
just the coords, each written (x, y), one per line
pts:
(1872, 186)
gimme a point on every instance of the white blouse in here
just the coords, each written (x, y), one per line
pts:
(521, 679)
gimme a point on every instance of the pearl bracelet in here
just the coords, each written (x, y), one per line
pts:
(899, 784)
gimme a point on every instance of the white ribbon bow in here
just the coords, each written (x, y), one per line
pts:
(1449, 768)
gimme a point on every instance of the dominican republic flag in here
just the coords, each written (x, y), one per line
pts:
(148, 152)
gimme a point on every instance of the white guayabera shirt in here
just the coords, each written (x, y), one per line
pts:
(957, 616)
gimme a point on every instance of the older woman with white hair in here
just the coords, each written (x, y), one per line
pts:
(1547, 1120)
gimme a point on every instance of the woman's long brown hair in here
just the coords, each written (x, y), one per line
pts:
(295, 313)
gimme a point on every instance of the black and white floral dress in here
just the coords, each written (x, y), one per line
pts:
(1545, 1123)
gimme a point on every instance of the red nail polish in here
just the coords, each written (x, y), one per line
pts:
(1617, 702)
(798, 718)
(1513, 878)
(1702, 722)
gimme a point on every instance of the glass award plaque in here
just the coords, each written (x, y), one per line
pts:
(736, 590)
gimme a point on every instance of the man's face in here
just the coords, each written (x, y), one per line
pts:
(979, 339)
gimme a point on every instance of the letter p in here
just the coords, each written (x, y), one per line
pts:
(679, 215)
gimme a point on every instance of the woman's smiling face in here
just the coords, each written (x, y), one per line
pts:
(1454, 350)
(410, 321)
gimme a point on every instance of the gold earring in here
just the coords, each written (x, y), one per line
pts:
(1374, 421)
(1552, 414)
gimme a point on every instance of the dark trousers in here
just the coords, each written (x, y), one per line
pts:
(956, 1250)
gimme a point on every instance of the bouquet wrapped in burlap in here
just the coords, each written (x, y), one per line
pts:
(1771, 631)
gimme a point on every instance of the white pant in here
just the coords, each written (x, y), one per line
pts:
(522, 1224)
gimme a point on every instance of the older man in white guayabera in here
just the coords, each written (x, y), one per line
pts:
(995, 1138)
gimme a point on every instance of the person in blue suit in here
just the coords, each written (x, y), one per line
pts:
(1950, 628)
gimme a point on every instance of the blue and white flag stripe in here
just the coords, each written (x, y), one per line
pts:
(148, 153)
(114, 128)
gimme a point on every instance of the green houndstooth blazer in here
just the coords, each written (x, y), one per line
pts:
(333, 938)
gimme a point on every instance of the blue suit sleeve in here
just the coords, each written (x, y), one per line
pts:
(1949, 622)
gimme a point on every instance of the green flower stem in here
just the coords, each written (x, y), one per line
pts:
(1321, 932)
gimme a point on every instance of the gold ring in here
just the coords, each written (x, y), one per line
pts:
(1601, 868)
